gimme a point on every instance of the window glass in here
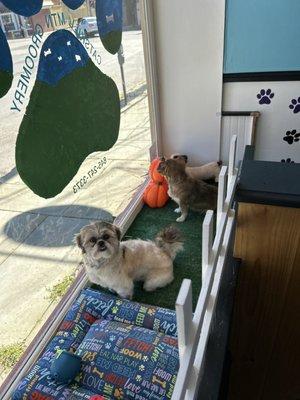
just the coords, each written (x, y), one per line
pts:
(37, 255)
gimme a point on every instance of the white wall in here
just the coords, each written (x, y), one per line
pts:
(189, 44)
(275, 120)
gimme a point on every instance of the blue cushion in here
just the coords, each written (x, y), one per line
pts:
(129, 350)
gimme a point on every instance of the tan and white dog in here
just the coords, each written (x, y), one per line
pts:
(116, 264)
(204, 172)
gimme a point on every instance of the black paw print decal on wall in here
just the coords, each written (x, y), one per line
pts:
(295, 105)
(288, 161)
(265, 96)
(291, 136)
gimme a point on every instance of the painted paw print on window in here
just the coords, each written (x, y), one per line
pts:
(291, 136)
(287, 161)
(295, 105)
(265, 96)
(142, 367)
(151, 311)
(27, 8)
(138, 378)
(6, 65)
(107, 346)
(48, 158)
(114, 310)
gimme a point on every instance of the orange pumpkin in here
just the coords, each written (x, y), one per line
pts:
(154, 175)
(156, 194)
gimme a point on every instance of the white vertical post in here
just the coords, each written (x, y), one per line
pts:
(184, 316)
(221, 193)
(207, 241)
(232, 156)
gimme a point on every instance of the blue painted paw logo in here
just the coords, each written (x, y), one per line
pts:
(291, 136)
(295, 105)
(265, 96)
(28, 8)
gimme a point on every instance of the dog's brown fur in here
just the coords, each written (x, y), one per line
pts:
(187, 192)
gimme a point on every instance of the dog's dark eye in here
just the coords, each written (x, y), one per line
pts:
(105, 237)
(93, 240)
(175, 157)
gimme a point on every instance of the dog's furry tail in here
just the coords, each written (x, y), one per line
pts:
(170, 240)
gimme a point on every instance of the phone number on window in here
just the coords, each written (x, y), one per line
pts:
(84, 180)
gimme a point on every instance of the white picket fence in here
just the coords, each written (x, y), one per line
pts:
(194, 329)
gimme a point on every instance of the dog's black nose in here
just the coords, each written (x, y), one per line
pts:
(101, 245)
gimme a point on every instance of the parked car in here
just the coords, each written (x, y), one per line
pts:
(87, 26)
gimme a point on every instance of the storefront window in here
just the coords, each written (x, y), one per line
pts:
(38, 259)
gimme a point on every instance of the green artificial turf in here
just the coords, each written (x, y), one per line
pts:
(187, 263)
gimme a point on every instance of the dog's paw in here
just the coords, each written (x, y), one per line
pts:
(126, 295)
(181, 219)
(149, 288)
(177, 210)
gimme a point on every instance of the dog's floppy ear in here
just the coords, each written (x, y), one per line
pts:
(78, 241)
(118, 231)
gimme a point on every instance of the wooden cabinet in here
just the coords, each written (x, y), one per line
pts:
(265, 334)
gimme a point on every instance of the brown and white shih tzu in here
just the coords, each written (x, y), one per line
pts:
(187, 192)
(116, 264)
(205, 172)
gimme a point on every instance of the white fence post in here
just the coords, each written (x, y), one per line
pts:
(207, 241)
(221, 193)
(232, 156)
(210, 312)
(184, 316)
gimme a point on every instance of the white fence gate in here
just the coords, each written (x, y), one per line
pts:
(194, 329)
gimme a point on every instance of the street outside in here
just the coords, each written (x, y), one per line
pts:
(37, 254)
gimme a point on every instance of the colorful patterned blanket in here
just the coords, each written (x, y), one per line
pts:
(128, 350)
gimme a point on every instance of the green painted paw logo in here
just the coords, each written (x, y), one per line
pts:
(74, 110)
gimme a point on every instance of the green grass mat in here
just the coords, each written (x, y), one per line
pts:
(187, 263)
